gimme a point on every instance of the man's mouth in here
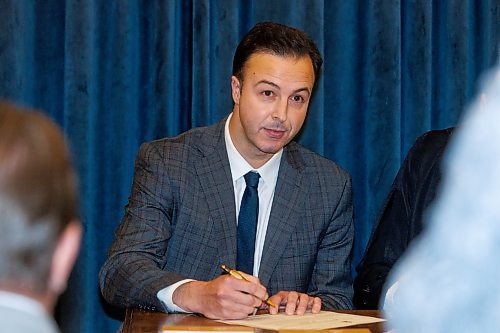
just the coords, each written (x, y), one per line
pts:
(274, 133)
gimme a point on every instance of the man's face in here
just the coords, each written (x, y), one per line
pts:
(270, 104)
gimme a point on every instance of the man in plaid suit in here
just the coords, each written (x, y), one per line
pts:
(181, 220)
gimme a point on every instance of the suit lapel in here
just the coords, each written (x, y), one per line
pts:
(214, 173)
(284, 216)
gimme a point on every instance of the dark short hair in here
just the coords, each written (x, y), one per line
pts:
(277, 39)
(38, 194)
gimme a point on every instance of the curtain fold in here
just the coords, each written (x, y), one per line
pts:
(115, 74)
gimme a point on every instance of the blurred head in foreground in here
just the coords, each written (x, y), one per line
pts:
(39, 230)
(448, 281)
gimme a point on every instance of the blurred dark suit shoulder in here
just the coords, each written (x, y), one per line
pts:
(402, 217)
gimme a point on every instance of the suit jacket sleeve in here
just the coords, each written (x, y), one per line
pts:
(331, 278)
(132, 275)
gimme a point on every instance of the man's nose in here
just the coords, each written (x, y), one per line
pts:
(280, 110)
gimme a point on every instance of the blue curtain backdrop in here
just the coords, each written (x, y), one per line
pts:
(114, 74)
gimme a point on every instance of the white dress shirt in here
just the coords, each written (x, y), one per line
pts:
(19, 313)
(267, 184)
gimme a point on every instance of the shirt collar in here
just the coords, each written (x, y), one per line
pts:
(21, 303)
(239, 166)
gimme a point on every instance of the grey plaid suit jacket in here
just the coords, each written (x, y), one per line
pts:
(180, 222)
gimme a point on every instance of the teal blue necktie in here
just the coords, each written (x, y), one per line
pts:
(247, 224)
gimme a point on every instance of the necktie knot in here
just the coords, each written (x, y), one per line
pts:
(252, 179)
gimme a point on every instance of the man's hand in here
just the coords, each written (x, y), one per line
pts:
(225, 297)
(295, 303)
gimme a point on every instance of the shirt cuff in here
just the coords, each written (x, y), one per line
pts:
(165, 296)
(390, 296)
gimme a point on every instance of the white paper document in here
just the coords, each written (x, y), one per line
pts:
(309, 321)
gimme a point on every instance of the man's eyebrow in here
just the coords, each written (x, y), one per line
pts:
(268, 82)
(303, 89)
(306, 89)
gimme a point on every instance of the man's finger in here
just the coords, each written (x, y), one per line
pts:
(302, 304)
(316, 307)
(291, 303)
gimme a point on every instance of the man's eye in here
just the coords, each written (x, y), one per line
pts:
(267, 93)
(298, 98)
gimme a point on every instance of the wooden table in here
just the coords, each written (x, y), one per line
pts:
(145, 321)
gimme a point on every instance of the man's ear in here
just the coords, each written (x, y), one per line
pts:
(236, 89)
(64, 257)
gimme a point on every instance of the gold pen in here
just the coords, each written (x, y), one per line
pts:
(237, 275)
